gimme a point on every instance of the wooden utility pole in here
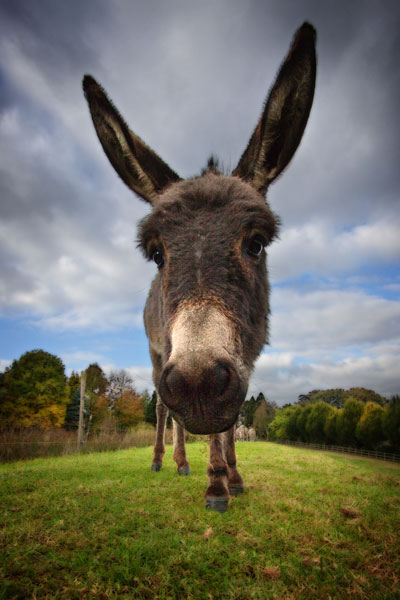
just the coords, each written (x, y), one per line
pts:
(81, 407)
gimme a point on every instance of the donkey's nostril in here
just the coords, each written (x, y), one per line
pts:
(176, 383)
(219, 377)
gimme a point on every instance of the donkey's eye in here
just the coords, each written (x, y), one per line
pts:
(254, 246)
(158, 257)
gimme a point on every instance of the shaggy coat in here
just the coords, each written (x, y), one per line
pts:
(206, 315)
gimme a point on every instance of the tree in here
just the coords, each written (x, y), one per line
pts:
(292, 431)
(249, 408)
(96, 385)
(316, 420)
(303, 399)
(96, 381)
(365, 395)
(334, 397)
(74, 380)
(348, 420)
(72, 412)
(337, 397)
(246, 412)
(102, 415)
(260, 421)
(263, 416)
(391, 422)
(301, 422)
(150, 403)
(330, 428)
(278, 428)
(128, 410)
(369, 429)
(34, 391)
(118, 382)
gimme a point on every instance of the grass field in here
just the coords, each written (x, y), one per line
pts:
(310, 525)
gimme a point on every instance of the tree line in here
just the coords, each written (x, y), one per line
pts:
(35, 392)
(357, 418)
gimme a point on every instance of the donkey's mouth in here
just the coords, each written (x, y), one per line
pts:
(204, 426)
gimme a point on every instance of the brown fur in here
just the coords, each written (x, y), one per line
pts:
(206, 315)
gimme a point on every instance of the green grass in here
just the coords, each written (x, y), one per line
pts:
(310, 525)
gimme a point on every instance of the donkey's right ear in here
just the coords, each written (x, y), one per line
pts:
(139, 167)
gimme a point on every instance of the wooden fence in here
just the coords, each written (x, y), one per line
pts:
(359, 451)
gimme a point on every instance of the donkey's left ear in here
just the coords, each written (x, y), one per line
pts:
(139, 167)
(281, 126)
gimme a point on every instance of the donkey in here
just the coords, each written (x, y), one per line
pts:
(206, 316)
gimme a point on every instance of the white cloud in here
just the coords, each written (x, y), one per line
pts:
(100, 318)
(66, 277)
(376, 241)
(282, 381)
(4, 363)
(318, 248)
(326, 339)
(80, 357)
(331, 319)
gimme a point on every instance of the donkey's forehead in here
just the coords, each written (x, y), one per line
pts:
(210, 189)
(210, 196)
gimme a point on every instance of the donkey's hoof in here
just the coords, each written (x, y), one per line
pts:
(236, 489)
(155, 466)
(184, 470)
(218, 503)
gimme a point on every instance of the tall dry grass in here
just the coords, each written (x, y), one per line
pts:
(24, 444)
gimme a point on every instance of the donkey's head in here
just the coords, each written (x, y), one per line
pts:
(206, 315)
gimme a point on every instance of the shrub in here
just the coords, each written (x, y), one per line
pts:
(391, 422)
(316, 420)
(369, 430)
(347, 422)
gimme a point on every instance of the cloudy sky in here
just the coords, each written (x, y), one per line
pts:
(190, 78)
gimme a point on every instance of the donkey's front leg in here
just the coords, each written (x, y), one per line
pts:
(159, 447)
(235, 482)
(179, 449)
(217, 494)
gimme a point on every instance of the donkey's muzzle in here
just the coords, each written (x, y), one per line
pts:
(204, 400)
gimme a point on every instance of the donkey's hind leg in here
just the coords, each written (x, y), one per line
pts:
(159, 447)
(179, 449)
(235, 482)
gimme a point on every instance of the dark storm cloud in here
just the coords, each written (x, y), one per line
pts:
(348, 169)
(53, 38)
(56, 34)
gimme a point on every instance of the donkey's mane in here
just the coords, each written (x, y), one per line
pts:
(213, 166)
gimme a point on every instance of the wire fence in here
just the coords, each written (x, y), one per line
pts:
(359, 451)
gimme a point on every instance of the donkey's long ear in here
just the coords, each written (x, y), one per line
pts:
(281, 126)
(137, 165)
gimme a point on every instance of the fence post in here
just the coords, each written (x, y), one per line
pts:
(81, 406)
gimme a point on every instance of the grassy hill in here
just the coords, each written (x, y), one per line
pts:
(310, 525)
